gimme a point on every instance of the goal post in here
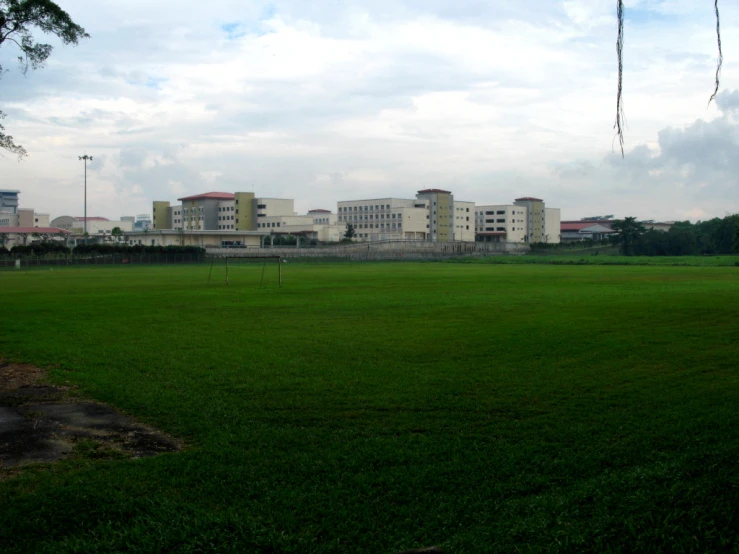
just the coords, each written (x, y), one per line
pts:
(232, 261)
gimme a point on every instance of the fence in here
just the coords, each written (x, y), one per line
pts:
(114, 259)
(382, 250)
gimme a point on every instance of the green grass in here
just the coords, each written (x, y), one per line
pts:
(377, 407)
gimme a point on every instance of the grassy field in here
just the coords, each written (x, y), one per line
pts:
(376, 407)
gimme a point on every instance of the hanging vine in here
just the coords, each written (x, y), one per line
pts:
(620, 123)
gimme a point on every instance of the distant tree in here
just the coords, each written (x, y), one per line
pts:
(629, 230)
(350, 232)
(18, 20)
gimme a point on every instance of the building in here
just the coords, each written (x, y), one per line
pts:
(12, 236)
(657, 225)
(8, 207)
(576, 231)
(96, 226)
(552, 234)
(501, 223)
(321, 225)
(537, 228)
(219, 211)
(203, 239)
(432, 216)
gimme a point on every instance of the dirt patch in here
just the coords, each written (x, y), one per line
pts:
(43, 423)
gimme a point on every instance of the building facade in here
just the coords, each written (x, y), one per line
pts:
(431, 216)
(501, 223)
(95, 225)
(218, 211)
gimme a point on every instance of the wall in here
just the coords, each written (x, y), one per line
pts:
(160, 215)
(245, 220)
(464, 221)
(551, 225)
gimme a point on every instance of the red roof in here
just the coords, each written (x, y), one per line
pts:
(319, 211)
(92, 218)
(434, 190)
(29, 230)
(580, 225)
(529, 199)
(214, 195)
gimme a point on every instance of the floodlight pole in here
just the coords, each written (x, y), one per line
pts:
(85, 158)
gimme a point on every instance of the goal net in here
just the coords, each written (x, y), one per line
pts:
(262, 271)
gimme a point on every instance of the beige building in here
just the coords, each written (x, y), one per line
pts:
(321, 225)
(501, 223)
(218, 211)
(203, 239)
(95, 225)
(431, 216)
(537, 228)
(552, 234)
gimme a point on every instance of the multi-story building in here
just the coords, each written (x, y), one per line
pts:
(321, 225)
(432, 215)
(537, 228)
(219, 211)
(9, 207)
(552, 232)
(501, 223)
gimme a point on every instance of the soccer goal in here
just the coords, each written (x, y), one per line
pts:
(246, 269)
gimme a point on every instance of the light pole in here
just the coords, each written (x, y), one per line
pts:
(85, 157)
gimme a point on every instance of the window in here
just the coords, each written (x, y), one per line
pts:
(501, 221)
(489, 213)
(261, 206)
(501, 212)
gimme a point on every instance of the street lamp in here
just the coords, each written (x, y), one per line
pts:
(85, 157)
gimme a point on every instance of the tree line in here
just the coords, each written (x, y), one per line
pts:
(718, 236)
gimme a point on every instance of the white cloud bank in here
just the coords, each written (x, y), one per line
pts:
(325, 101)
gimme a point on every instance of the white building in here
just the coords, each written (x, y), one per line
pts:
(432, 215)
(320, 225)
(501, 223)
(95, 225)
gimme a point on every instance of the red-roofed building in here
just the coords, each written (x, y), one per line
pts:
(219, 211)
(209, 196)
(574, 231)
(11, 236)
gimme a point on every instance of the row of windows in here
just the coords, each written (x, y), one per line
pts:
(346, 209)
(381, 226)
(226, 209)
(225, 226)
(225, 217)
(370, 216)
(271, 224)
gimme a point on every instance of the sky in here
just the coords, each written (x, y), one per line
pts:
(336, 100)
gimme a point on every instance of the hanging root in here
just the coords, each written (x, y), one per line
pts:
(720, 53)
(619, 125)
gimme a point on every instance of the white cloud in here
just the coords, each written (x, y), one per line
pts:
(326, 101)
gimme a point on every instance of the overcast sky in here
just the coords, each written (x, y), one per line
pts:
(346, 99)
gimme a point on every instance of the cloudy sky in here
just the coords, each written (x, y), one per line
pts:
(343, 99)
